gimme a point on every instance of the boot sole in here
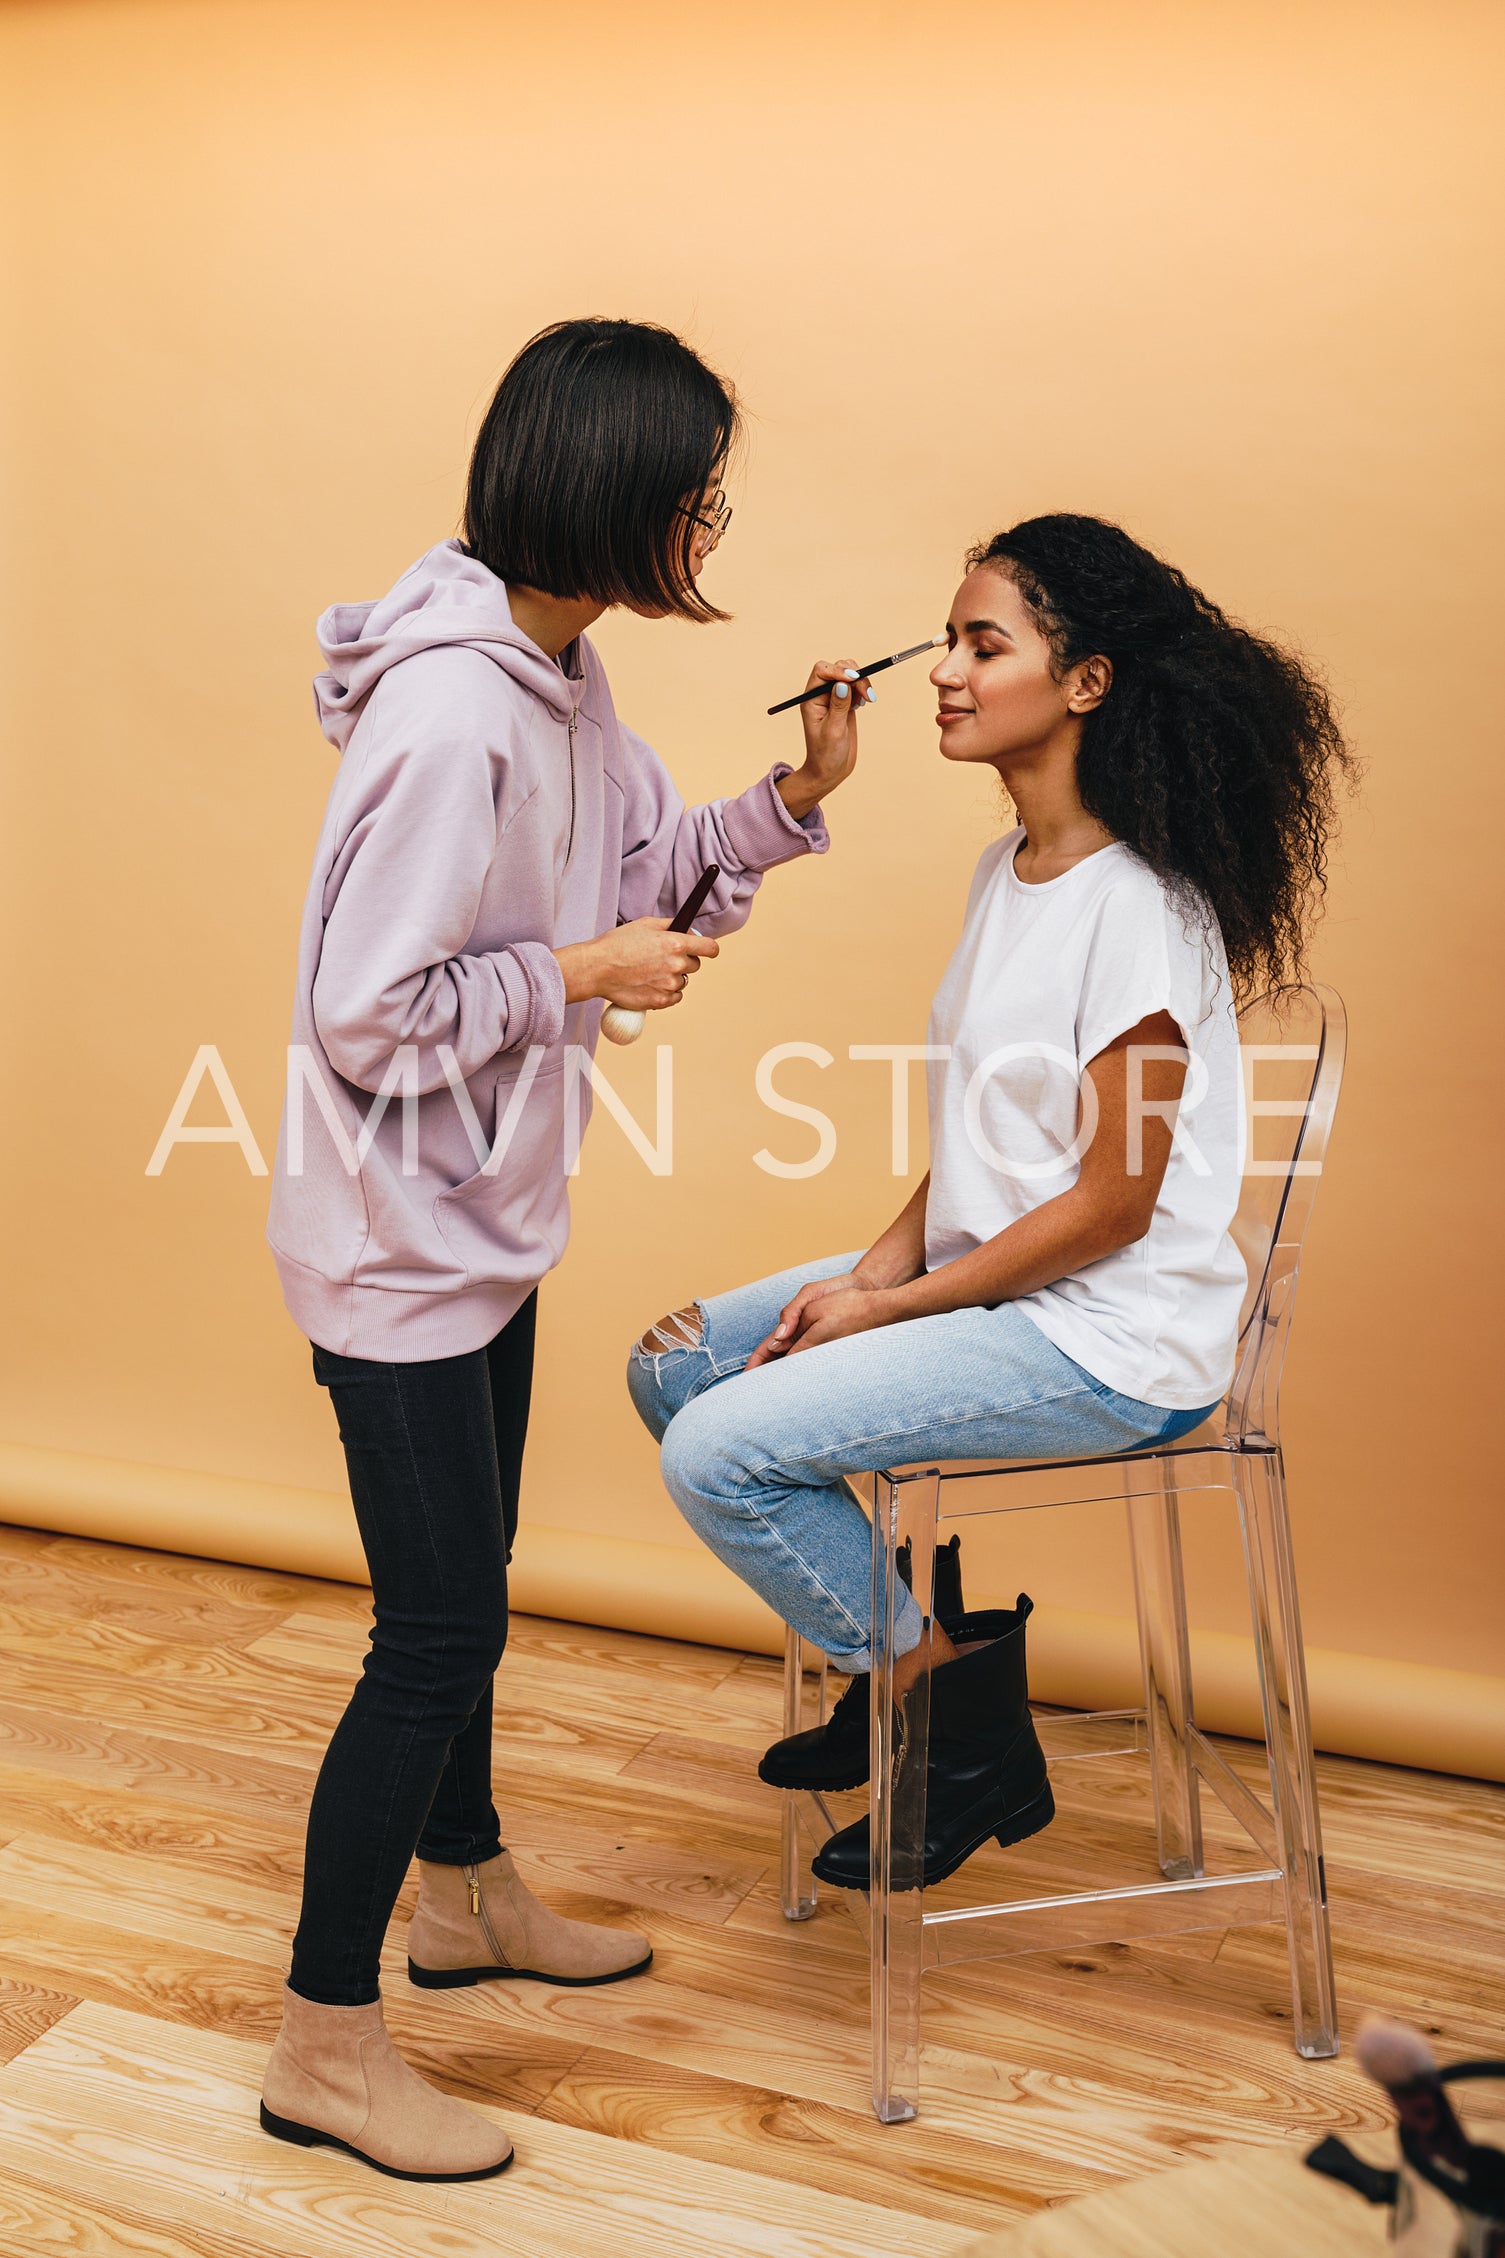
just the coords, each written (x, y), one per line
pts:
(827, 1786)
(309, 2136)
(453, 1979)
(1032, 1819)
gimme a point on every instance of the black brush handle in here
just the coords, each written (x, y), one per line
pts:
(689, 909)
(874, 666)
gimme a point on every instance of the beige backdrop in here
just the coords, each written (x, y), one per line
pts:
(1230, 274)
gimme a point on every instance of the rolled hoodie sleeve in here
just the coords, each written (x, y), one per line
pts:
(666, 846)
(401, 904)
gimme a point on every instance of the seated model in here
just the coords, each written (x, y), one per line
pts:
(1063, 1282)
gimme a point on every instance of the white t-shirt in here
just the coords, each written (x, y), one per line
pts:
(1058, 970)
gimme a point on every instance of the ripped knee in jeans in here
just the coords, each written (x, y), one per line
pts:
(681, 1329)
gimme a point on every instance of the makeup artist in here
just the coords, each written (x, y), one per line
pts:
(500, 857)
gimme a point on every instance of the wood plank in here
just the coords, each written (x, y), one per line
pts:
(559, 1676)
(328, 1641)
(210, 1991)
(152, 2109)
(224, 1700)
(1416, 1827)
(670, 1810)
(179, 1576)
(83, 1749)
(555, 1851)
(146, 1693)
(114, 1966)
(1456, 2005)
(723, 1776)
(151, 1897)
(248, 1913)
(535, 1776)
(183, 1620)
(25, 2012)
(595, 1642)
(261, 1841)
(963, 2182)
(560, 1857)
(1425, 1826)
(39, 2215)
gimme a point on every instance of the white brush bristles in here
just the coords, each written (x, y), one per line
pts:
(619, 1025)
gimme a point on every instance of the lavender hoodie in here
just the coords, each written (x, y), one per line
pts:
(488, 808)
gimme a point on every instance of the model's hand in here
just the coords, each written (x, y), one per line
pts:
(825, 1310)
(642, 966)
(830, 725)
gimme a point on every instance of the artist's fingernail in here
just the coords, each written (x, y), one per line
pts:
(842, 691)
(851, 674)
(871, 695)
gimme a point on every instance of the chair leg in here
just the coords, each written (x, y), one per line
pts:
(896, 1901)
(1160, 1603)
(1288, 1733)
(797, 1885)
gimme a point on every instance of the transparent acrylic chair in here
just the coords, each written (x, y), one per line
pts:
(1296, 1040)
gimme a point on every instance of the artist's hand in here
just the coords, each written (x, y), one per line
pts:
(826, 1310)
(642, 965)
(830, 725)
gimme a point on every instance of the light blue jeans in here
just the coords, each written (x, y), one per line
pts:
(755, 1460)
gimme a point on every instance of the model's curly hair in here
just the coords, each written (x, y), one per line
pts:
(1214, 754)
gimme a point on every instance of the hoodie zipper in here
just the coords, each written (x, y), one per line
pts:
(569, 843)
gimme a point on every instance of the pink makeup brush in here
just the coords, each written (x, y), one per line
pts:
(1401, 2061)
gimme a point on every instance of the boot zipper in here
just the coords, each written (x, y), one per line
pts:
(479, 1910)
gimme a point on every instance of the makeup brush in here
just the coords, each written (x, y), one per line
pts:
(618, 1024)
(1400, 2060)
(877, 666)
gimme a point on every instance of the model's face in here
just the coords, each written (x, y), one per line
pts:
(997, 696)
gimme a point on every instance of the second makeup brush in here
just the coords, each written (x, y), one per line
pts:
(618, 1024)
(876, 666)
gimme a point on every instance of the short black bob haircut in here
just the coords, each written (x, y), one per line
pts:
(596, 450)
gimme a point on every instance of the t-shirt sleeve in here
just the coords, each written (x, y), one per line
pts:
(1139, 961)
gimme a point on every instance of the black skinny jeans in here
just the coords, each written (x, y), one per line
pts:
(434, 1452)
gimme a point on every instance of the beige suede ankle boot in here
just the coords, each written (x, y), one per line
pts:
(335, 2080)
(473, 1922)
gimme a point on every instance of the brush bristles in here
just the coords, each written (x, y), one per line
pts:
(1393, 2054)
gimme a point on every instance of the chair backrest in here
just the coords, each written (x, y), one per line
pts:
(1293, 1042)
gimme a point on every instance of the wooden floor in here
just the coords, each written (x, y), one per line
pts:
(160, 1726)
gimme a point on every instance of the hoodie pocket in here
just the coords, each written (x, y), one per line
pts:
(511, 1222)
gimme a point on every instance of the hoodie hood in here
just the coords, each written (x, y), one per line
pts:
(445, 597)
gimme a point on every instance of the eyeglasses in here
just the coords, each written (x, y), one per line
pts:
(718, 521)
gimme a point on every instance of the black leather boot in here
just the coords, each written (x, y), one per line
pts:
(986, 1777)
(835, 1755)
